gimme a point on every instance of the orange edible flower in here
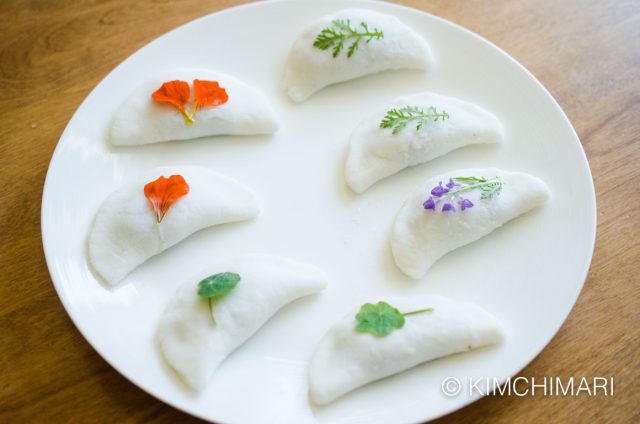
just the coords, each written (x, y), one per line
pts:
(163, 192)
(209, 93)
(176, 93)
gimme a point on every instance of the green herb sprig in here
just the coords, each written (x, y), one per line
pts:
(216, 286)
(489, 187)
(398, 119)
(381, 319)
(340, 32)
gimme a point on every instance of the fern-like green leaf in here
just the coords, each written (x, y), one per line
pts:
(398, 119)
(340, 31)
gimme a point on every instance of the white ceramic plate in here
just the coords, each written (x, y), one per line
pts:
(528, 273)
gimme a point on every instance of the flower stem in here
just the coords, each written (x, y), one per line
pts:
(211, 311)
(188, 118)
(419, 311)
(470, 187)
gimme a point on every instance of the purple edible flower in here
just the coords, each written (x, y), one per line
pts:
(465, 204)
(448, 207)
(451, 184)
(438, 190)
(429, 204)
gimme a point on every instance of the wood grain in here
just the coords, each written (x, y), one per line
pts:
(52, 53)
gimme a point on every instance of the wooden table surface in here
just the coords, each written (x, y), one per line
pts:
(53, 52)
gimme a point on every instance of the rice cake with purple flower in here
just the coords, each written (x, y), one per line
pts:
(458, 208)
